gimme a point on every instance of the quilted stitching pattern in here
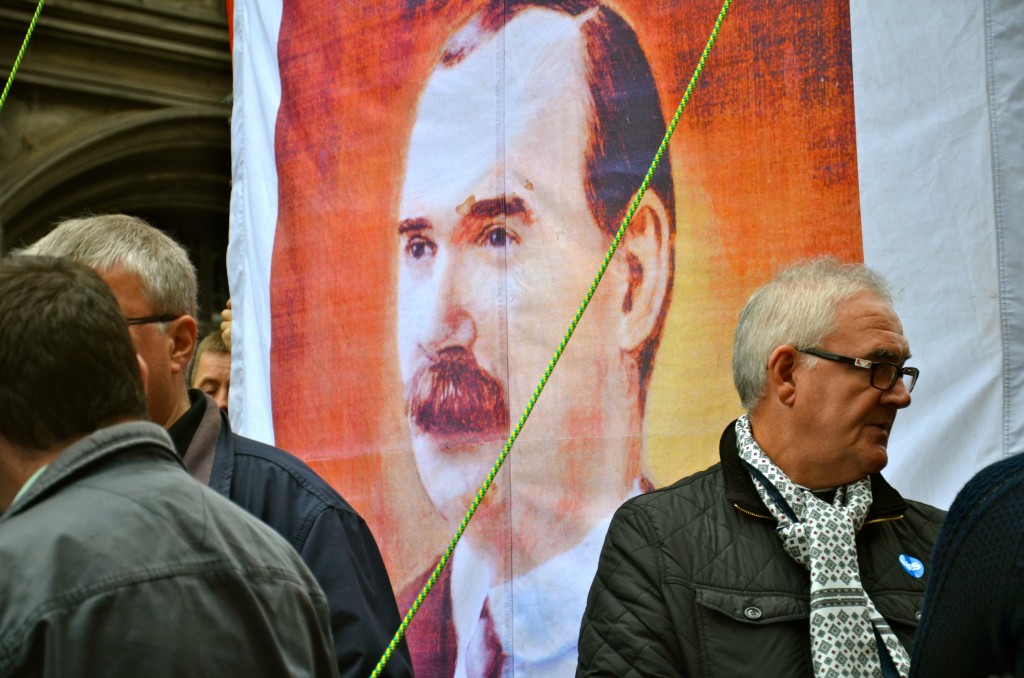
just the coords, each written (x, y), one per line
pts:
(645, 616)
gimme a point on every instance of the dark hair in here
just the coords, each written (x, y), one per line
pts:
(67, 363)
(626, 126)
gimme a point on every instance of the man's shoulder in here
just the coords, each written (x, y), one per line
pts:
(273, 469)
(151, 497)
(920, 526)
(673, 507)
(994, 496)
(143, 529)
(992, 485)
(700, 487)
(927, 513)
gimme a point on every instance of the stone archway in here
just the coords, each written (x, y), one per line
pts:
(121, 107)
(168, 166)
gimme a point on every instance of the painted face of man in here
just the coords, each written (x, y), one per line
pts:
(497, 248)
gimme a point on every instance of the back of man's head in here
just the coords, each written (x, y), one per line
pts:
(112, 241)
(67, 364)
(796, 308)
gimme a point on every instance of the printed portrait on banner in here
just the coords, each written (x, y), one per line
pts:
(451, 176)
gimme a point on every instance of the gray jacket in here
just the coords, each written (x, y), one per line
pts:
(694, 581)
(115, 562)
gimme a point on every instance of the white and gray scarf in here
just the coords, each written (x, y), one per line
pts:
(822, 537)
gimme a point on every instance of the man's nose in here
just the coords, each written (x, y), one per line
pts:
(898, 395)
(222, 398)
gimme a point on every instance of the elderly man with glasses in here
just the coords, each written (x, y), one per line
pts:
(792, 556)
(155, 285)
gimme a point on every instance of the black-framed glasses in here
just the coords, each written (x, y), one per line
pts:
(883, 375)
(151, 319)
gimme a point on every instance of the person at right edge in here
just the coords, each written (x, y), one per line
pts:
(973, 619)
(792, 556)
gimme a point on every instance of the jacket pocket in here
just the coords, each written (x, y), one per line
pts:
(750, 633)
(902, 609)
(899, 607)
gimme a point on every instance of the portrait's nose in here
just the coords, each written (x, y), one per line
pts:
(451, 323)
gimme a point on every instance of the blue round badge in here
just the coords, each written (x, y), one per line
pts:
(913, 566)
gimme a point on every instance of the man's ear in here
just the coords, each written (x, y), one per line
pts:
(781, 385)
(144, 373)
(183, 334)
(647, 252)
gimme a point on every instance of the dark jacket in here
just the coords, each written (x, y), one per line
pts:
(333, 540)
(694, 581)
(116, 563)
(973, 620)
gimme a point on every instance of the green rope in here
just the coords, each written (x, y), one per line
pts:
(558, 353)
(21, 53)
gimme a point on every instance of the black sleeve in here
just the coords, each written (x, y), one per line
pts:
(343, 556)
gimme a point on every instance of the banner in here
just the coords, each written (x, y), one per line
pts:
(424, 190)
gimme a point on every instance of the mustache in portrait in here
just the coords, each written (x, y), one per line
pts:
(453, 396)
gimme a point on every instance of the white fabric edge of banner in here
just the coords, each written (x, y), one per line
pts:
(927, 182)
(253, 215)
(1005, 33)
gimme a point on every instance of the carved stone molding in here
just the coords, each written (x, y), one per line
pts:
(119, 105)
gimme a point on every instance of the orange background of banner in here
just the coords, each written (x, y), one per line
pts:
(765, 169)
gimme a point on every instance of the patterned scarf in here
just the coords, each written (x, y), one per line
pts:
(845, 626)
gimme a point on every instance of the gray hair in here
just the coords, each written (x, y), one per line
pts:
(110, 241)
(796, 308)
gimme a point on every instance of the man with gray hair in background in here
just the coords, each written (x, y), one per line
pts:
(792, 556)
(155, 285)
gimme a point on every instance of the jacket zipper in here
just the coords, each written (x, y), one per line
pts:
(883, 520)
(751, 513)
(867, 522)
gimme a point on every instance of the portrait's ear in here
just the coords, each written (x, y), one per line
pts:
(781, 382)
(183, 334)
(647, 253)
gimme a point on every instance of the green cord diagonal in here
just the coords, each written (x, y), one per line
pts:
(558, 353)
(21, 53)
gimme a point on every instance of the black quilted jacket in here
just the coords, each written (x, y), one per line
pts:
(694, 581)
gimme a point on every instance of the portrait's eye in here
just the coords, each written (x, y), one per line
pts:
(419, 247)
(497, 236)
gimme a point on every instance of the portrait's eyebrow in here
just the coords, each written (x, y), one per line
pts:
(513, 206)
(413, 226)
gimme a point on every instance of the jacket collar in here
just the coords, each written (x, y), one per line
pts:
(741, 493)
(92, 450)
(210, 455)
